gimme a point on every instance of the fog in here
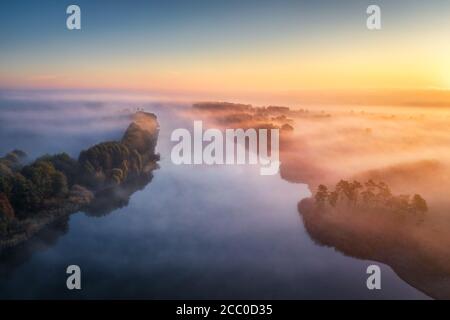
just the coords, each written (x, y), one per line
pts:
(406, 148)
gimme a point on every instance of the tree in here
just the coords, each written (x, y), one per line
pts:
(40, 174)
(342, 188)
(368, 195)
(354, 191)
(419, 204)
(25, 197)
(349, 190)
(13, 160)
(6, 184)
(321, 194)
(7, 214)
(333, 198)
(59, 184)
(5, 170)
(117, 175)
(48, 181)
(384, 193)
(64, 163)
(375, 195)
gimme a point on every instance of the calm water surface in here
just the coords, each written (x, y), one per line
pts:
(193, 232)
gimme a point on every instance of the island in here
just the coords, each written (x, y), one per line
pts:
(35, 194)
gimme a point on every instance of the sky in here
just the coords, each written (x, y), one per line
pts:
(286, 50)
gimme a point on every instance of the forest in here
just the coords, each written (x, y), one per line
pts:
(57, 184)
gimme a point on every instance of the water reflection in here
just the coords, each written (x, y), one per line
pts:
(111, 199)
(324, 148)
(193, 232)
(104, 203)
(417, 251)
(14, 257)
(38, 197)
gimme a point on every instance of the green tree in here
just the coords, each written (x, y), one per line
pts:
(59, 184)
(6, 184)
(25, 198)
(64, 163)
(40, 175)
(48, 181)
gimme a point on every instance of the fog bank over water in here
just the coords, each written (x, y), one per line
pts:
(377, 100)
(192, 229)
(402, 152)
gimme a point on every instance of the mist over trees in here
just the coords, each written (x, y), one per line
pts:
(51, 182)
(368, 195)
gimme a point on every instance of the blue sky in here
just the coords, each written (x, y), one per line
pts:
(217, 43)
